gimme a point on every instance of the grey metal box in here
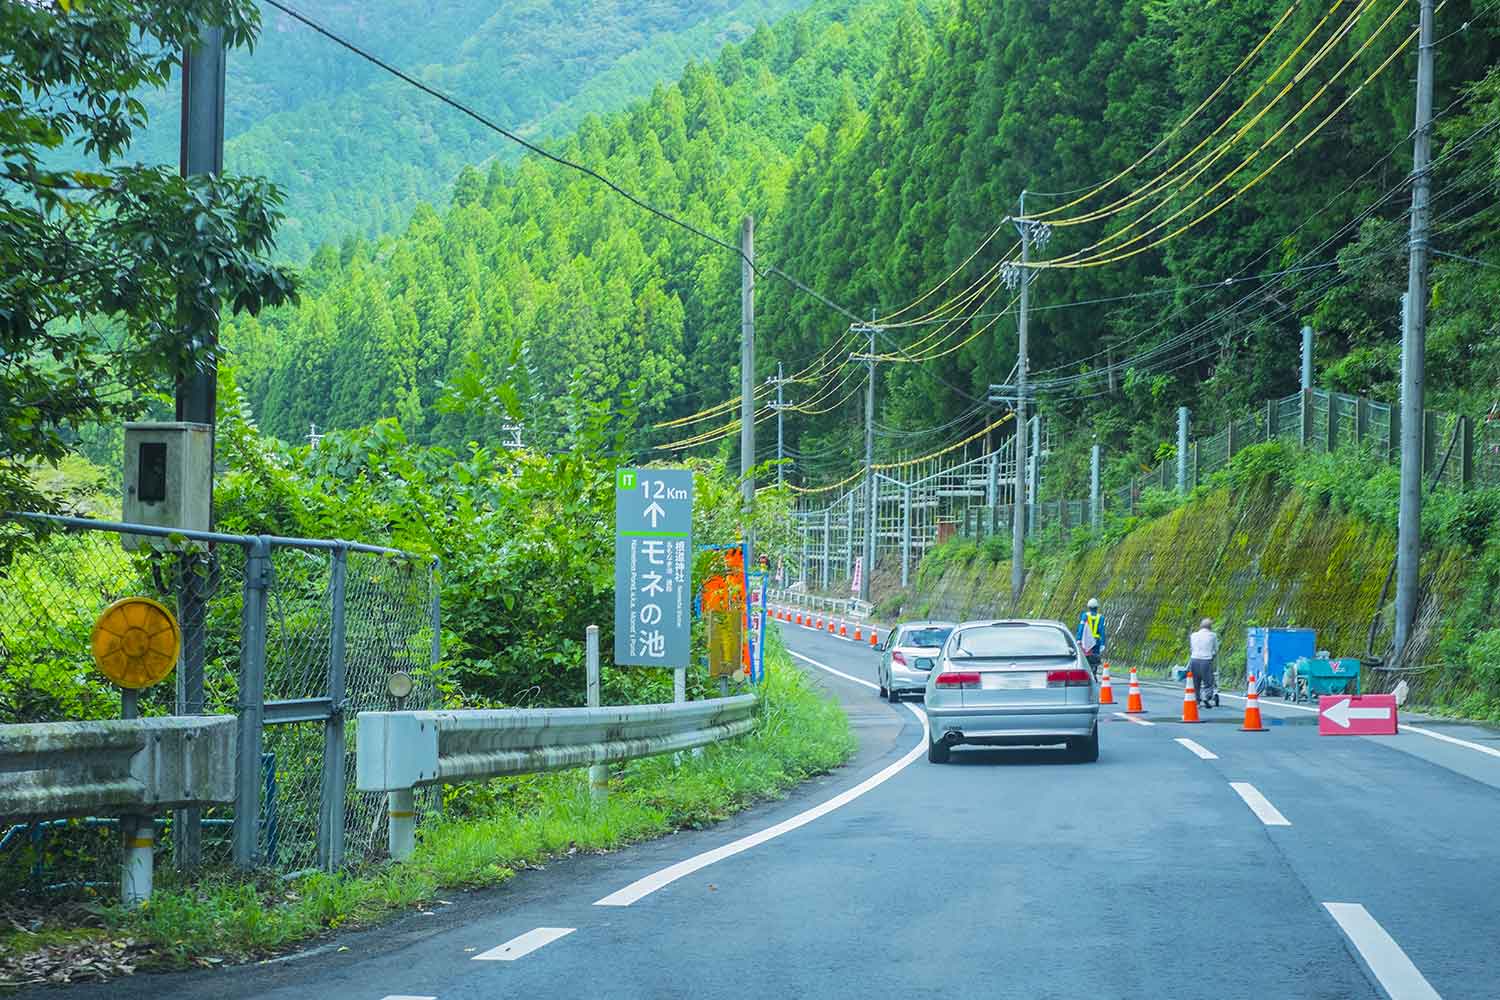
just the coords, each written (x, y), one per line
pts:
(168, 478)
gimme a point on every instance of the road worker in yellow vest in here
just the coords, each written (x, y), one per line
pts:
(1092, 637)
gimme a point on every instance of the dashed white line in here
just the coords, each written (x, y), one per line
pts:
(1259, 804)
(403, 996)
(1133, 718)
(1396, 973)
(523, 945)
(643, 887)
(1452, 739)
(1202, 751)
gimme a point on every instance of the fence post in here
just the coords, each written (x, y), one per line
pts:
(598, 773)
(905, 535)
(1305, 435)
(1393, 443)
(1182, 448)
(251, 703)
(827, 543)
(1333, 422)
(1195, 464)
(1229, 442)
(1429, 441)
(1272, 419)
(1466, 451)
(992, 496)
(1361, 419)
(331, 807)
(1094, 513)
(849, 535)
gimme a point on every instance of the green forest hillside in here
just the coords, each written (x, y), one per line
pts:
(1220, 173)
(537, 287)
(356, 151)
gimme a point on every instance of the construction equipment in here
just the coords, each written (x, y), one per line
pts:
(1307, 678)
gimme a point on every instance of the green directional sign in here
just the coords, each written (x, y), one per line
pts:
(653, 567)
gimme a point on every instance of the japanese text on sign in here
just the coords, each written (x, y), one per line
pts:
(653, 589)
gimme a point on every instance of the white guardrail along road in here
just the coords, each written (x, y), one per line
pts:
(401, 751)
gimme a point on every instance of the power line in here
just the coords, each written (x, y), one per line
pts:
(760, 269)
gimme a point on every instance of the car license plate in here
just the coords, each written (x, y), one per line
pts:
(924, 663)
(1012, 682)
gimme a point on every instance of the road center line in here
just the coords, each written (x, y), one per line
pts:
(1259, 804)
(1451, 739)
(643, 887)
(1202, 751)
(1132, 718)
(523, 945)
(1396, 973)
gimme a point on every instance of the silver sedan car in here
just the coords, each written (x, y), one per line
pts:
(908, 655)
(1012, 683)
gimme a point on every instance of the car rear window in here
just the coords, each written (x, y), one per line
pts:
(1012, 640)
(925, 637)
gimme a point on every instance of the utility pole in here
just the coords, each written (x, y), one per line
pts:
(1018, 519)
(779, 406)
(869, 567)
(201, 151)
(1307, 358)
(1414, 347)
(747, 376)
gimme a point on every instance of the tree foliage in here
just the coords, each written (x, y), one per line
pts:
(101, 272)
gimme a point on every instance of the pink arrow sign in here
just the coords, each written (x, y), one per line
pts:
(1356, 715)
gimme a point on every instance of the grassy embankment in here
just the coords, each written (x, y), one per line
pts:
(490, 832)
(1282, 538)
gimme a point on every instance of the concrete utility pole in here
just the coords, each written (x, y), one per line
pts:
(1094, 496)
(1307, 358)
(201, 151)
(1414, 347)
(747, 374)
(1183, 416)
(780, 436)
(869, 563)
(1018, 519)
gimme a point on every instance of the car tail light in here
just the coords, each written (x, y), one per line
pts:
(1068, 678)
(964, 681)
(898, 657)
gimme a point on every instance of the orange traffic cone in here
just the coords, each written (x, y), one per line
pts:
(819, 626)
(1106, 691)
(832, 626)
(1252, 710)
(859, 634)
(1133, 704)
(1190, 701)
(843, 630)
(799, 618)
(874, 639)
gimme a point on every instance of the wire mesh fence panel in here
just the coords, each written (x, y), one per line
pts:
(1317, 432)
(55, 582)
(1487, 451)
(1289, 418)
(1213, 454)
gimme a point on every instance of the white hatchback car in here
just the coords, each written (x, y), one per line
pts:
(908, 655)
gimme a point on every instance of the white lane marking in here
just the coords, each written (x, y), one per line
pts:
(1398, 976)
(1135, 719)
(403, 996)
(643, 887)
(1259, 804)
(1451, 739)
(1271, 702)
(525, 944)
(837, 673)
(1202, 751)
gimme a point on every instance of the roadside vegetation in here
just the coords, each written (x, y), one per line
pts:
(487, 834)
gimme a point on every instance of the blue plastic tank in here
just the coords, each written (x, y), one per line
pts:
(1269, 650)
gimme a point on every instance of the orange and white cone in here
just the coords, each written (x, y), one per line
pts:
(1106, 690)
(1133, 704)
(1252, 710)
(843, 630)
(874, 638)
(819, 626)
(1190, 701)
(859, 633)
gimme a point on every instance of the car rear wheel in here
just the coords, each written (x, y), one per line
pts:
(938, 753)
(892, 695)
(1086, 751)
(883, 691)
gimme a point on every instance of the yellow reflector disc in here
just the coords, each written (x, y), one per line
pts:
(136, 642)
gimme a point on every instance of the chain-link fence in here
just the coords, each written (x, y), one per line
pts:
(294, 636)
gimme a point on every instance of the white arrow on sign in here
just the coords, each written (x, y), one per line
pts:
(654, 512)
(1340, 712)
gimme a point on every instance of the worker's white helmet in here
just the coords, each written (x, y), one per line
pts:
(1093, 604)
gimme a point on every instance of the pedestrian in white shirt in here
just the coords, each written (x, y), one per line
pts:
(1203, 647)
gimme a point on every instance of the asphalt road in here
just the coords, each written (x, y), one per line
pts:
(1279, 864)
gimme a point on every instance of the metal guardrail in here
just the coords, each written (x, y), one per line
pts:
(131, 767)
(401, 751)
